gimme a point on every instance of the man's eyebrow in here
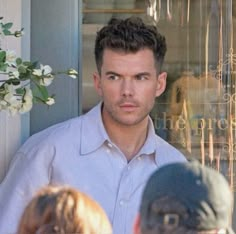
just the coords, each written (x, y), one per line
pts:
(143, 74)
(112, 73)
(138, 74)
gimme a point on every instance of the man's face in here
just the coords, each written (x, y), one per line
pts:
(128, 85)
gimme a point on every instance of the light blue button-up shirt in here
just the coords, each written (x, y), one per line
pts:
(79, 153)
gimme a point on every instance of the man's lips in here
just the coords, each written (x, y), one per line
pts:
(128, 106)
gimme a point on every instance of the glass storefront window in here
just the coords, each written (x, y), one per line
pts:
(196, 113)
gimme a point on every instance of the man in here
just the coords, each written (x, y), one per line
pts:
(109, 152)
(185, 198)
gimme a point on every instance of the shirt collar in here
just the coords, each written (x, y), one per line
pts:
(93, 133)
(149, 146)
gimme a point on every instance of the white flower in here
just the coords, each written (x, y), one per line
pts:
(44, 70)
(14, 96)
(11, 58)
(10, 97)
(46, 81)
(3, 105)
(12, 100)
(72, 73)
(10, 89)
(13, 110)
(14, 74)
(17, 103)
(44, 74)
(27, 102)
(37, 72)
(19, 33)
(50, 101)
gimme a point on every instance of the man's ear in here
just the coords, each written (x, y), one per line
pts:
(161, 83)
(97, 83)
(136, 227)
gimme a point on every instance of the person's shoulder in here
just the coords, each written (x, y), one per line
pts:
(60, 129)
(60, 133)
(167, 152)
(59, 136)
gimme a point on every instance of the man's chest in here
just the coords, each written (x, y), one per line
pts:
(114, 184)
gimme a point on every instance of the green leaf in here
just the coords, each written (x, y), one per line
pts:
(3, 67)
(20, 91)
(43, 91)
(38, 100)
(21, 69)
(35, 80)
(27, 63)
(34, 90)
(2, 88)
(2, 56)
(18, 61)
(13, 81)
(25, 76)
(33, 65)
(7, 25)
(6, 32)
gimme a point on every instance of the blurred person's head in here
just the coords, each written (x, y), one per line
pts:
(63, 210)
(185, 198)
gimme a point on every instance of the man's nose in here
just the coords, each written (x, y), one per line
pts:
(127, 87)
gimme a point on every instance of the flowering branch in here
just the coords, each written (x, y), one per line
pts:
(16, 96)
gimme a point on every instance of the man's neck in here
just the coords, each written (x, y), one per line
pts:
(129, 139)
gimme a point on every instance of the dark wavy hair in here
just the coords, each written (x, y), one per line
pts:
(129, 35)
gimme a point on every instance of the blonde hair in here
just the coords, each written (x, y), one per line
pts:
(63, 210)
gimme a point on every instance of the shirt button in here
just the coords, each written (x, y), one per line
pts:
(122, 202)
(139, 158)
(129, 167)
(109, 145)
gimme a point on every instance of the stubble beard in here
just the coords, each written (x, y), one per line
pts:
(126, 119)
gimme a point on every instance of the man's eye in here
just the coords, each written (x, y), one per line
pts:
(113, 77)
(141, 77)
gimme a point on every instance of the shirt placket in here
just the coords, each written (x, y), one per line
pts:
(123, 200)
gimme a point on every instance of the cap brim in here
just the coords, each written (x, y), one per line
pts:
(230, 231)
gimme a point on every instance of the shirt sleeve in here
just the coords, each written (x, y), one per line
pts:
(28, 172)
